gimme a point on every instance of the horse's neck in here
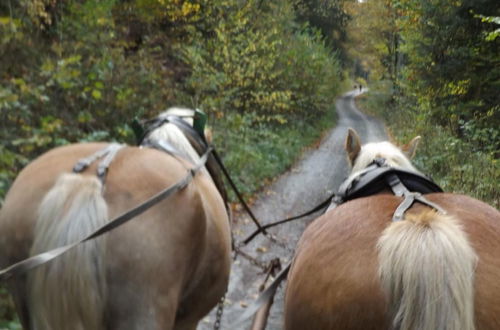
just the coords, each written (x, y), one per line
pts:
(172, 135)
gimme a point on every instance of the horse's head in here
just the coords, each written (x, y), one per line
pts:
(360, 156)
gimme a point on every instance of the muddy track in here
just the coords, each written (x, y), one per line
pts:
(315, 176)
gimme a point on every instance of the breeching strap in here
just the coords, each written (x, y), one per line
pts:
(37, 260)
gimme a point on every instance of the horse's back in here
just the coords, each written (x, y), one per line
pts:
(334, 281)
(19, 212)
(153, 263)
(481, 223)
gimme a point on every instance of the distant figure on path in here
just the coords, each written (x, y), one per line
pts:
(360, 87)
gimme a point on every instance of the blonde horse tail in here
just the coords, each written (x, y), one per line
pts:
(426, 267)
(69, 292)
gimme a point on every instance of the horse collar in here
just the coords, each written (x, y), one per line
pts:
(378, 176)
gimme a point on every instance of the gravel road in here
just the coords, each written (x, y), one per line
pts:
(313, 178)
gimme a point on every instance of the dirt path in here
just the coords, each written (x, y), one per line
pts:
(309, 182)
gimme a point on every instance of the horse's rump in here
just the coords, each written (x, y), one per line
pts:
(176, 251)
(71, 210)
(334, 281)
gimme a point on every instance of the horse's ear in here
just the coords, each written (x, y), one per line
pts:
(411, 147)
(352, 145)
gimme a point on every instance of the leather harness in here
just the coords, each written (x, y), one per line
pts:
(373, 179)
(379, 176)
(107, 154)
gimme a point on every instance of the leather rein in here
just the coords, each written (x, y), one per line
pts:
(373, 179)
(42, 258)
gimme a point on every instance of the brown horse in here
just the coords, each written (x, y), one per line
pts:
(165, 269)
(356, 269)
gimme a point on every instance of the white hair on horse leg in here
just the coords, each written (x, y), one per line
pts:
(426, 267)
(69, 292)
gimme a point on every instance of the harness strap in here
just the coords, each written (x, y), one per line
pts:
(397, 187)
(108, 153)
(102, 168)
(42, 258)
(83, 163)
(264, 297)
(400, 190)
(163, 146)
(317, 208)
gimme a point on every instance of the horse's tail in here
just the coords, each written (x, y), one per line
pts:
(427, 271)
(69, 292)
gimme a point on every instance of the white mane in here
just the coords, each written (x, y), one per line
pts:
(393, 155)
(184, 113)
(172, 135)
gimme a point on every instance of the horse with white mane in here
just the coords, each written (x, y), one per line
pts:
(165, 269)
(356, 269)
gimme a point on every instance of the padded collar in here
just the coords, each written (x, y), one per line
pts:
(374, 179)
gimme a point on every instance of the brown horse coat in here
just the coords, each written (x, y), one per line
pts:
(334, 283)
(165, 269)
(356, 269)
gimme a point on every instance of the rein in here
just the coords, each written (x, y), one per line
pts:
(368, 182)
(42, 258)
(199, 137)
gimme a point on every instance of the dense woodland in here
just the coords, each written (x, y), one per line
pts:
(435, 71)
(266, 72)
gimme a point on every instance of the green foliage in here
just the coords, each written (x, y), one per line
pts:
(374, 38)
(83, 70)
(452, 67)
(465, 165)
(267, 66)
(490, 35)
(257, 153)
(330, 17)
(6, 312)
(446, 85)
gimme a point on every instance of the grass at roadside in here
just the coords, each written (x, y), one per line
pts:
(255, 154)
(456, 164)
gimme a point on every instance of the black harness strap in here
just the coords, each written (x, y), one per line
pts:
(317, 208)
(35, 261)
(238, 194)
(371, 180)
